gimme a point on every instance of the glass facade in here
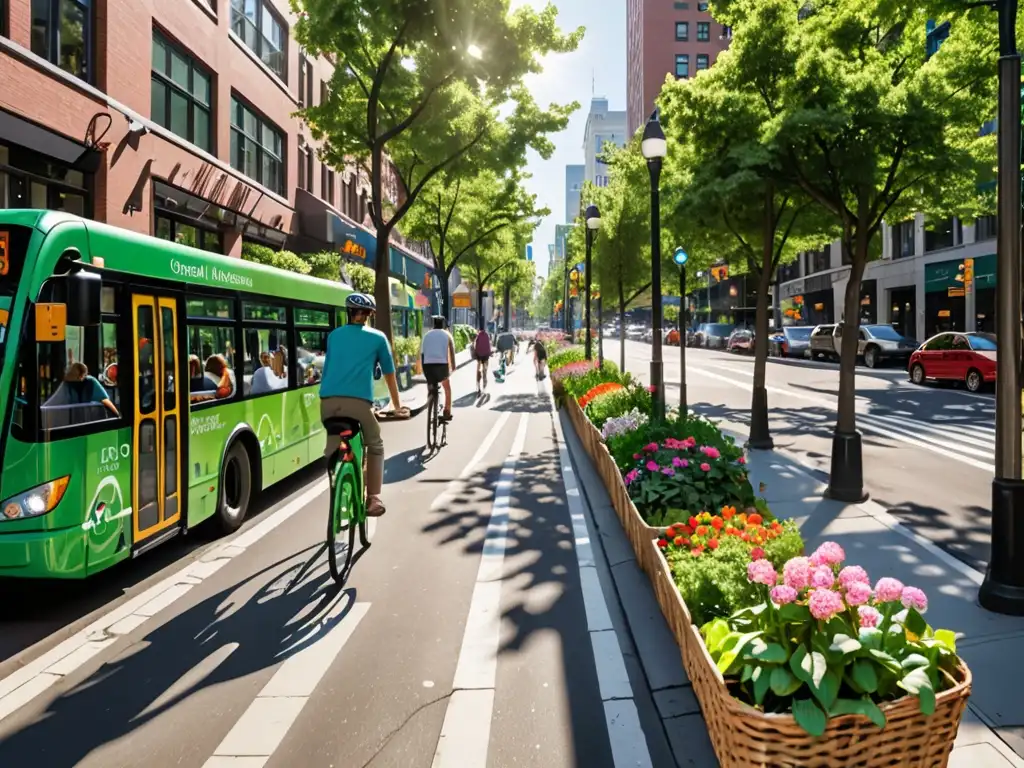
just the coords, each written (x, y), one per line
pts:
(31, 180)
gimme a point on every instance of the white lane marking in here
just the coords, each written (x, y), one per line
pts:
(864, 422)
(465, 733)
(622, 719)
(24, 684)
(458, 486)
(263, 726)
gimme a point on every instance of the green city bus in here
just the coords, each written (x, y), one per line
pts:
(105, 451)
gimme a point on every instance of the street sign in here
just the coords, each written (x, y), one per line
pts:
(461, 301)
(529, 252)
(680, 257)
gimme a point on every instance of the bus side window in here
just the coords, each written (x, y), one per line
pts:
(77, 378)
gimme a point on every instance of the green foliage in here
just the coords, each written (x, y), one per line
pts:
(261, 254)
(407, 346)
(781, 658)
(563, 357)
(613, 404)
(324, 264)
(463, 335)
(362, 277)
(578, 384)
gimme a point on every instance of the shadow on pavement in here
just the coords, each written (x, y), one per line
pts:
(245, 629)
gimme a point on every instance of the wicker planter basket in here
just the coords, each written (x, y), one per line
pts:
(639, 533)
(744, 737)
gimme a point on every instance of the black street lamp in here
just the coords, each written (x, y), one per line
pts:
(680, 257)
(565, 291)
(1003, 588)
(654, 148)
(593, 219)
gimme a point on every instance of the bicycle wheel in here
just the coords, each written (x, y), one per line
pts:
(432, 420)
(444, 427)
(343, 503)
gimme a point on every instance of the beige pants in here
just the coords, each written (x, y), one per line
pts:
(361, 411)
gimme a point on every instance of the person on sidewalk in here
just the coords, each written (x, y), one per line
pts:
(481, 353)
(540, 357)
(437, 353)
(346, 388)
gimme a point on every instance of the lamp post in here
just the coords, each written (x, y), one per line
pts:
(654, 148)
(593, 219)
(1003, 588)
(680, 257)
(600, 334)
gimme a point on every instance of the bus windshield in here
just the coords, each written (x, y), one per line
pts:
(13, 245)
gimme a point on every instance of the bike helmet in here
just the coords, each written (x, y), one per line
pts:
(361, 301)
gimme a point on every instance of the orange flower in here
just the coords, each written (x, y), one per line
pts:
(716, 523)
(713, 543)
(728, 512)
(670, 532)
(702, 530)
(754, 519)
(679, 541)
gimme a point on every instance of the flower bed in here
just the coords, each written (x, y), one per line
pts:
(795, 661)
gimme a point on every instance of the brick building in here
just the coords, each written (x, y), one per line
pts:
(665, 37)
(174, 119)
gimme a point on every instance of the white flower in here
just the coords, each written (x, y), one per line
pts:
(620, 425)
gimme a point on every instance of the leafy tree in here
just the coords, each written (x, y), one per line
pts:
(482, 265)
(515, 280)
(549, 299)
(730, 203)
(324, 264)
(420, 82)
(363, 277)
(286, 260)
(459, 214)
(870, 129)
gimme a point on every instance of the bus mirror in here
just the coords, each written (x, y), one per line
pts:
(84, 293)
(51, 322)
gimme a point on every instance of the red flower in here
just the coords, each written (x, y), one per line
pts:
(713, 543)
(692, 522)
(670, 532)
(679, 541)
(687, 530)
(754, 519)
(756, 553)
(745, 537)
(702, 530)
(662, 543)
(716, 523)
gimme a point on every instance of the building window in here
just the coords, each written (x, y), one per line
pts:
(727, 33)
(682, 31)
(939, 234)
(702, 7)
(31, 180)
(305, 165)
(305, 82)
(189, 234)
(702, 61)
(262, 32)
(985, 228)
(327, 184)
(180, 94)
(325, 93)
(703, 31)
(257, 147)
(62, 34)
(682, 65)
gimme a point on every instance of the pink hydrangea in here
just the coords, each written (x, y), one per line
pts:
(797, 573)
(741, 460)
(636, 455)
(690, 442)
(912, 597)
(888, 589)
(668, 471)
(705, 467)
(676, 461)
(824, 604)
(782, 594)
(710, 451)
(853, 574)
(869, 617)
(684, 463)
(822, 577)
(652, 465)
(829, 553)
(858, 593)
(762, 572)
(631, 476)
(651, 447)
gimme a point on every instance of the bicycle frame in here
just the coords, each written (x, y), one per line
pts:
(347, 473)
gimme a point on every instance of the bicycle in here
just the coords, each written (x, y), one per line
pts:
(348, 493)
(436, 420)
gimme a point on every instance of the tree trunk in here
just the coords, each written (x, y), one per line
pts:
(507, 309)
(622, 328)
(480, 323)
(381, 286)
(760, 434)
(446, 297)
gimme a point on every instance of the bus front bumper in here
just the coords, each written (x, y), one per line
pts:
(43, 554)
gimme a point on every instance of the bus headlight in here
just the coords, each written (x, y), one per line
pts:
(37, 501)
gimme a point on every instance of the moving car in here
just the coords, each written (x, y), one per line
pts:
(796, 340)
(966, 357)
(875, 344)
(741, 340)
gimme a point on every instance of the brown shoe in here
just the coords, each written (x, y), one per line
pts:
(375, 507)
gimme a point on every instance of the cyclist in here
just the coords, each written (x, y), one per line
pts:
(506, 345)
(482, 352)
(437, 353)
(346, 388)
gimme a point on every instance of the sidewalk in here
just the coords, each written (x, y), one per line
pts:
(992, 732)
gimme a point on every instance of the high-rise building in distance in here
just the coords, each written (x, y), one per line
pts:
(574, 176)
(603, 127)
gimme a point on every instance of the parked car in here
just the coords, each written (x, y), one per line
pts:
(795, 341)
(821, 344)
(879, 344)
(966, 357)
(697, 338)
(740, 340)
(672, 337)
(635, 332)
(716, 335)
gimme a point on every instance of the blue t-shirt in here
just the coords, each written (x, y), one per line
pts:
(353, 351)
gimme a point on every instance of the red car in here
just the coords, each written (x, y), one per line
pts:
(966, 357)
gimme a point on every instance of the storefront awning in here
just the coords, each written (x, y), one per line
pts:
(17, 130)
(184, 205)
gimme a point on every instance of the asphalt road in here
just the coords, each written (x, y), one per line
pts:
(451, 628)
(928, 451)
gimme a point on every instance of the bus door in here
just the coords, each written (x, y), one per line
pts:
(156, 504)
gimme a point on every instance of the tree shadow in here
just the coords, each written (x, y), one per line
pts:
(242, 630)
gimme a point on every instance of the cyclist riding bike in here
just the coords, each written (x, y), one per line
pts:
(437, 353)
(482, 353)
(346, 389)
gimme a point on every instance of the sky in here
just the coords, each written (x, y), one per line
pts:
(597, 67)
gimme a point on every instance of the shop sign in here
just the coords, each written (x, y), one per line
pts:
(794, 288)
(955, 293)
(462, 301)
(353, 249)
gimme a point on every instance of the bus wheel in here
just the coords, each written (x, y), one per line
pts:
(235, 489)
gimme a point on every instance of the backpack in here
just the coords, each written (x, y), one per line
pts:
(481, 346)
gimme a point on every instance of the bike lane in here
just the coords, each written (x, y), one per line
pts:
(259, 660)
